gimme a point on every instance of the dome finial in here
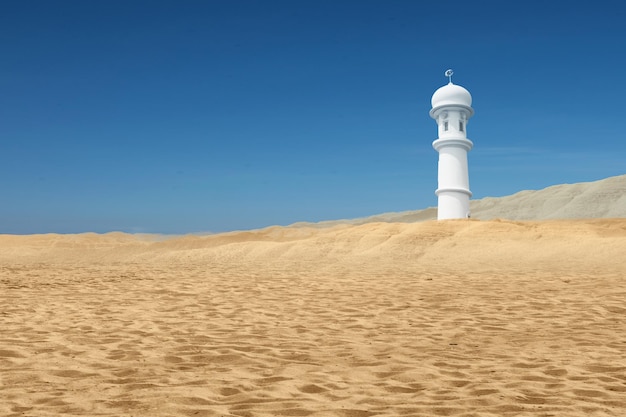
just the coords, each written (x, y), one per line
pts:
(449, 75)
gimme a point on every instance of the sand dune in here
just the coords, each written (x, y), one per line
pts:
(599, 199)
(586, 200)
(456, 318)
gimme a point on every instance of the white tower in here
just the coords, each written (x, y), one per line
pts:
(452, 108)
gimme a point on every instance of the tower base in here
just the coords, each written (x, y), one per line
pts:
(453, 205)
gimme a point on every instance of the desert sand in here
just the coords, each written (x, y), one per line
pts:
(455, 318)
(605, 198)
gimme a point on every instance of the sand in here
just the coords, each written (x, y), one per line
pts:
(605, 198)
(455, 318)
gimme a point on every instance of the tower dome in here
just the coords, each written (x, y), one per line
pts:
(451, 95)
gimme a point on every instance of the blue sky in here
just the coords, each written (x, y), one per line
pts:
(193, 116)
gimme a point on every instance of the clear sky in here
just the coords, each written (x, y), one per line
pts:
(195, 116)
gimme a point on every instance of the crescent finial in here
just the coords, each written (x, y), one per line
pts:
(449, 75)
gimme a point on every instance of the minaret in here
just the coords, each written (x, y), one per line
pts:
(452, 108)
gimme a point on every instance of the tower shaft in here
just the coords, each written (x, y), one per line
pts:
(453, 179)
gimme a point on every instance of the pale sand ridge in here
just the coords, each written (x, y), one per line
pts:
(605, 198)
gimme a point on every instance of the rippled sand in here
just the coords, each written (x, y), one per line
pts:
(457, 318)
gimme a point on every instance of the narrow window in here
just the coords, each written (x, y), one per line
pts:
(445, 126)
(460, 125)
